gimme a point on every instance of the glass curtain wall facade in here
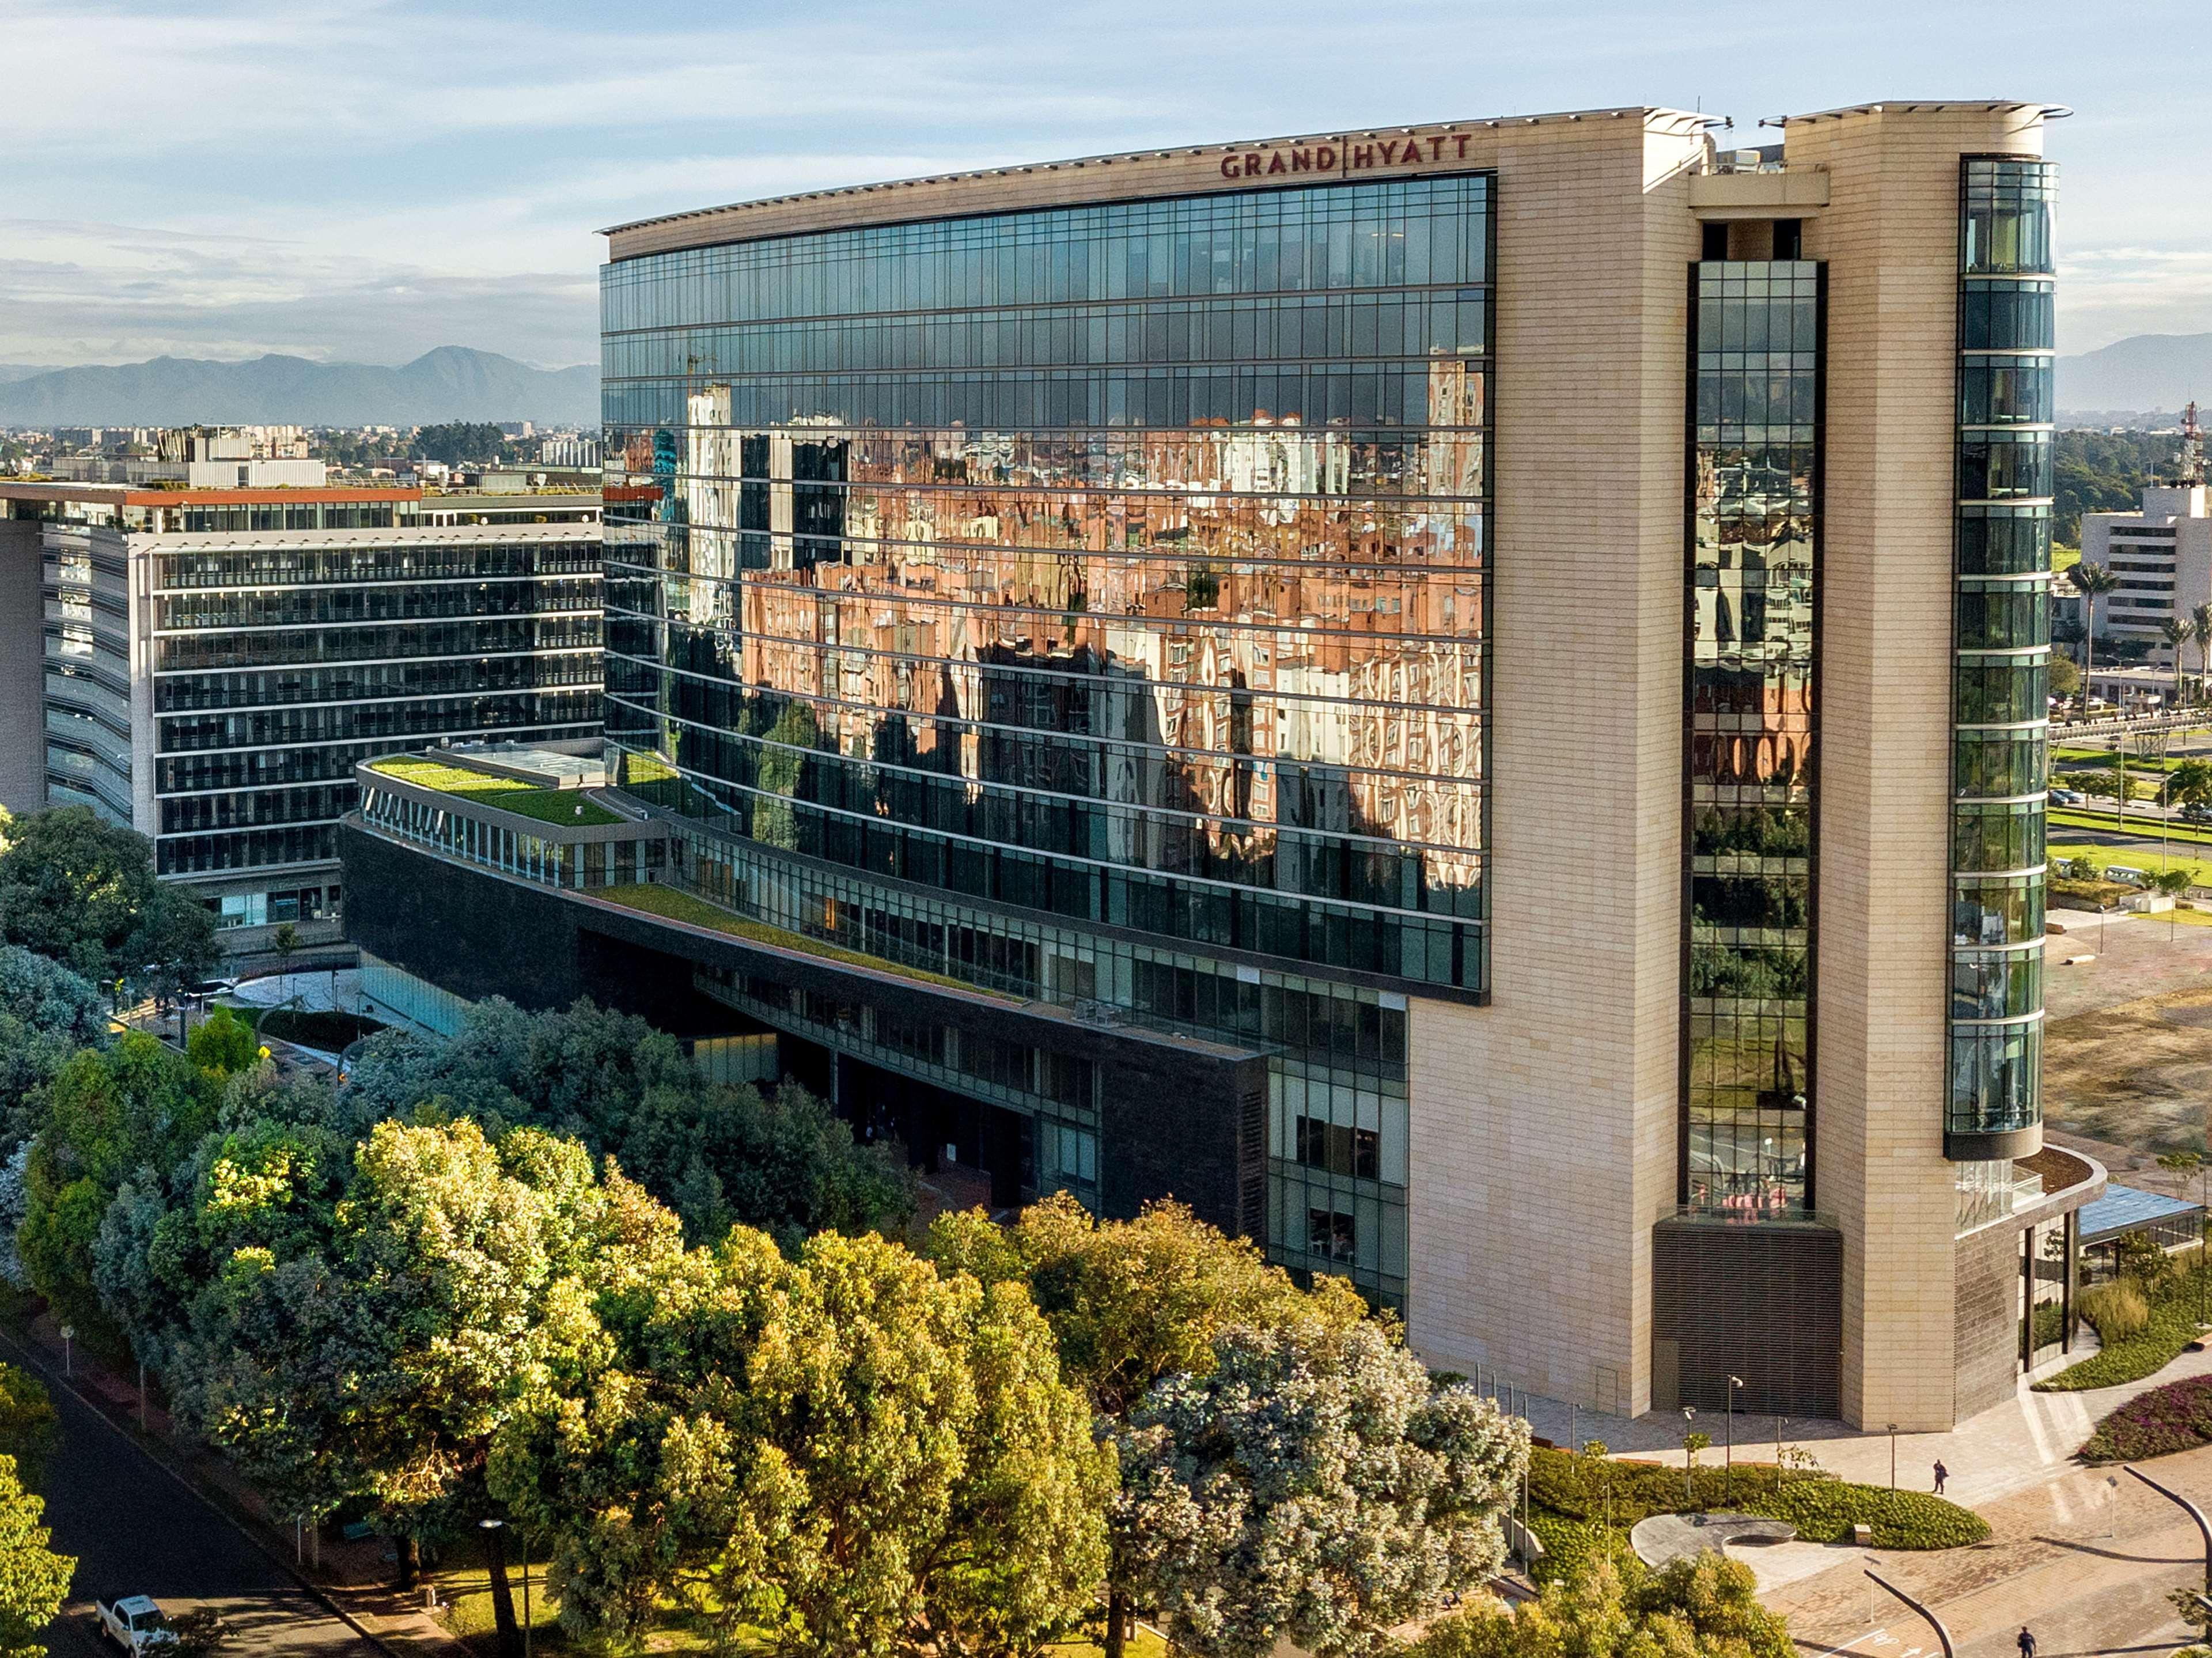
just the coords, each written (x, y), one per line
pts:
(1750, 742)
(1119, 568)
(276, 668)
(2002, 647)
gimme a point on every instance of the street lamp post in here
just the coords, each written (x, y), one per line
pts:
(69, 1357)
(1934, 1622)
(1892, 1461)
(1728, 1479)
(1689, 1495)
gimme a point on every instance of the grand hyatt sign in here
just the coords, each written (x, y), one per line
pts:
(1347, 156)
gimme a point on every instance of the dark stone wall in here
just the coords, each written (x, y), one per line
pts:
(1985, 1310)
(1178, 1118)
(1761, 1303)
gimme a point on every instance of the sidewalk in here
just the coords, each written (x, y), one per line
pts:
(353, 1580)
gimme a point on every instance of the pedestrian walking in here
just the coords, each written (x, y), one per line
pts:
(2026, 1642)
(1943, 1474)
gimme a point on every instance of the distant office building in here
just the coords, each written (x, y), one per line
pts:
(2162, 554)
(210, 665)
(568, 450)
(1468, 699)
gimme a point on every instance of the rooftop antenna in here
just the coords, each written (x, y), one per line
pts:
(2189, 465)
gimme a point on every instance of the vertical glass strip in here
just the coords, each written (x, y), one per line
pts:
(2001, 642)
(1748, 984)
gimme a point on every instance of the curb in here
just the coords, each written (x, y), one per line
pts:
(37, 1362)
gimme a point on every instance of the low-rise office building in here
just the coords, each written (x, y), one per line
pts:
(1469, 698)
(2161, 556)
(208, 665)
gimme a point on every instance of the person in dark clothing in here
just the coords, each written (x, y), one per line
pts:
(2027, 1643)
(1943, 1474)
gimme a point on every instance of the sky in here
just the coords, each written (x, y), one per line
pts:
(363, 182)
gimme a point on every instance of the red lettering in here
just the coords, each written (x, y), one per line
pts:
(1360, 155)
(1229, 169)
(1436, 148)
(1325, 158)
(1462, 146)
(1301, 161)
(1389, 152)
(1251, 163)
(1275, 163)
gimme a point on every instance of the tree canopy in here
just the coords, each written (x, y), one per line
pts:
(1705, 1607)
(34, 1580)
(83, 892)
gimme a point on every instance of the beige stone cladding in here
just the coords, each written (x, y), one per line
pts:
(1890, 239)
(1543, 1126)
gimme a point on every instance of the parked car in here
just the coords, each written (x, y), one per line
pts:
(135, 1623)
(2126, 875)
(2067, 797)
(2197, 811)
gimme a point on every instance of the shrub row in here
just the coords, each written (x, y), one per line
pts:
(2175, 1418)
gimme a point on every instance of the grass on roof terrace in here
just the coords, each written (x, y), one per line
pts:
(507, 793)
(673, 904)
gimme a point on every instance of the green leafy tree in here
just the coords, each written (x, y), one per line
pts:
(83, 892)
(223, 1044)
(721, 1155)
(108, 1112)
(2176, 633)
(2065, 675)
(1131, 1303)
(1705, 1608)
(379, 1361)
(2190, 784)
(2174, 880)
(28, 1426)
(2200, 629)
(1311, 1487)
(46, 1014)
(34, 1580)
(847, 1453)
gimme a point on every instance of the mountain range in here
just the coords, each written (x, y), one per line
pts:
(451, 383)
(2142, 373)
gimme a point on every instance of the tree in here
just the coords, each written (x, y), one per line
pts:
(721, 1157)
(380, 1360)
(2190, 784)
(2176, 634)
(1133, 1302)
(849, 1453)
(2174, 880)
(2065, 676)
(34, 1580)
(28, 1426)
(1311, 1487)
(108, 1112)
(224, 1044)
(1703, 1607)
(2106, 783)
(83, 892)
(2093, 582)
(285, 941)
(46, 1014)
(2200, 629)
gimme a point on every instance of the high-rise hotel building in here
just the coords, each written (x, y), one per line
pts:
(1469, 698)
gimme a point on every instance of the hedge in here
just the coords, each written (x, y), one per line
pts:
(1568, 1507)
(2175, 1418)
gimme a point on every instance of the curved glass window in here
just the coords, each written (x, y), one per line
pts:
(1998, 764)
(1996, 1078)
(2006, 222)
(2007, 316)
(1997, 837)
(2002, 690)
(1996, 910)
(1999, 465)
(2003, 615)
(2004, 391)
(2003, 540)
(1996, 984)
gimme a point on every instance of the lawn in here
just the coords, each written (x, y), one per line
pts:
(314, 1028)
(2086, 817)
(676, 905)
(1581, 1504)
(2171, 1326)
(507, 793)
(2148, 859)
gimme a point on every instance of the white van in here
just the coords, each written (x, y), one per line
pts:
(2126, 876)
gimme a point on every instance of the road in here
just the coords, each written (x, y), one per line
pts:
(136, 1529)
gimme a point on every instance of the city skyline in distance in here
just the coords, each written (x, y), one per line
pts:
(364, 183)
